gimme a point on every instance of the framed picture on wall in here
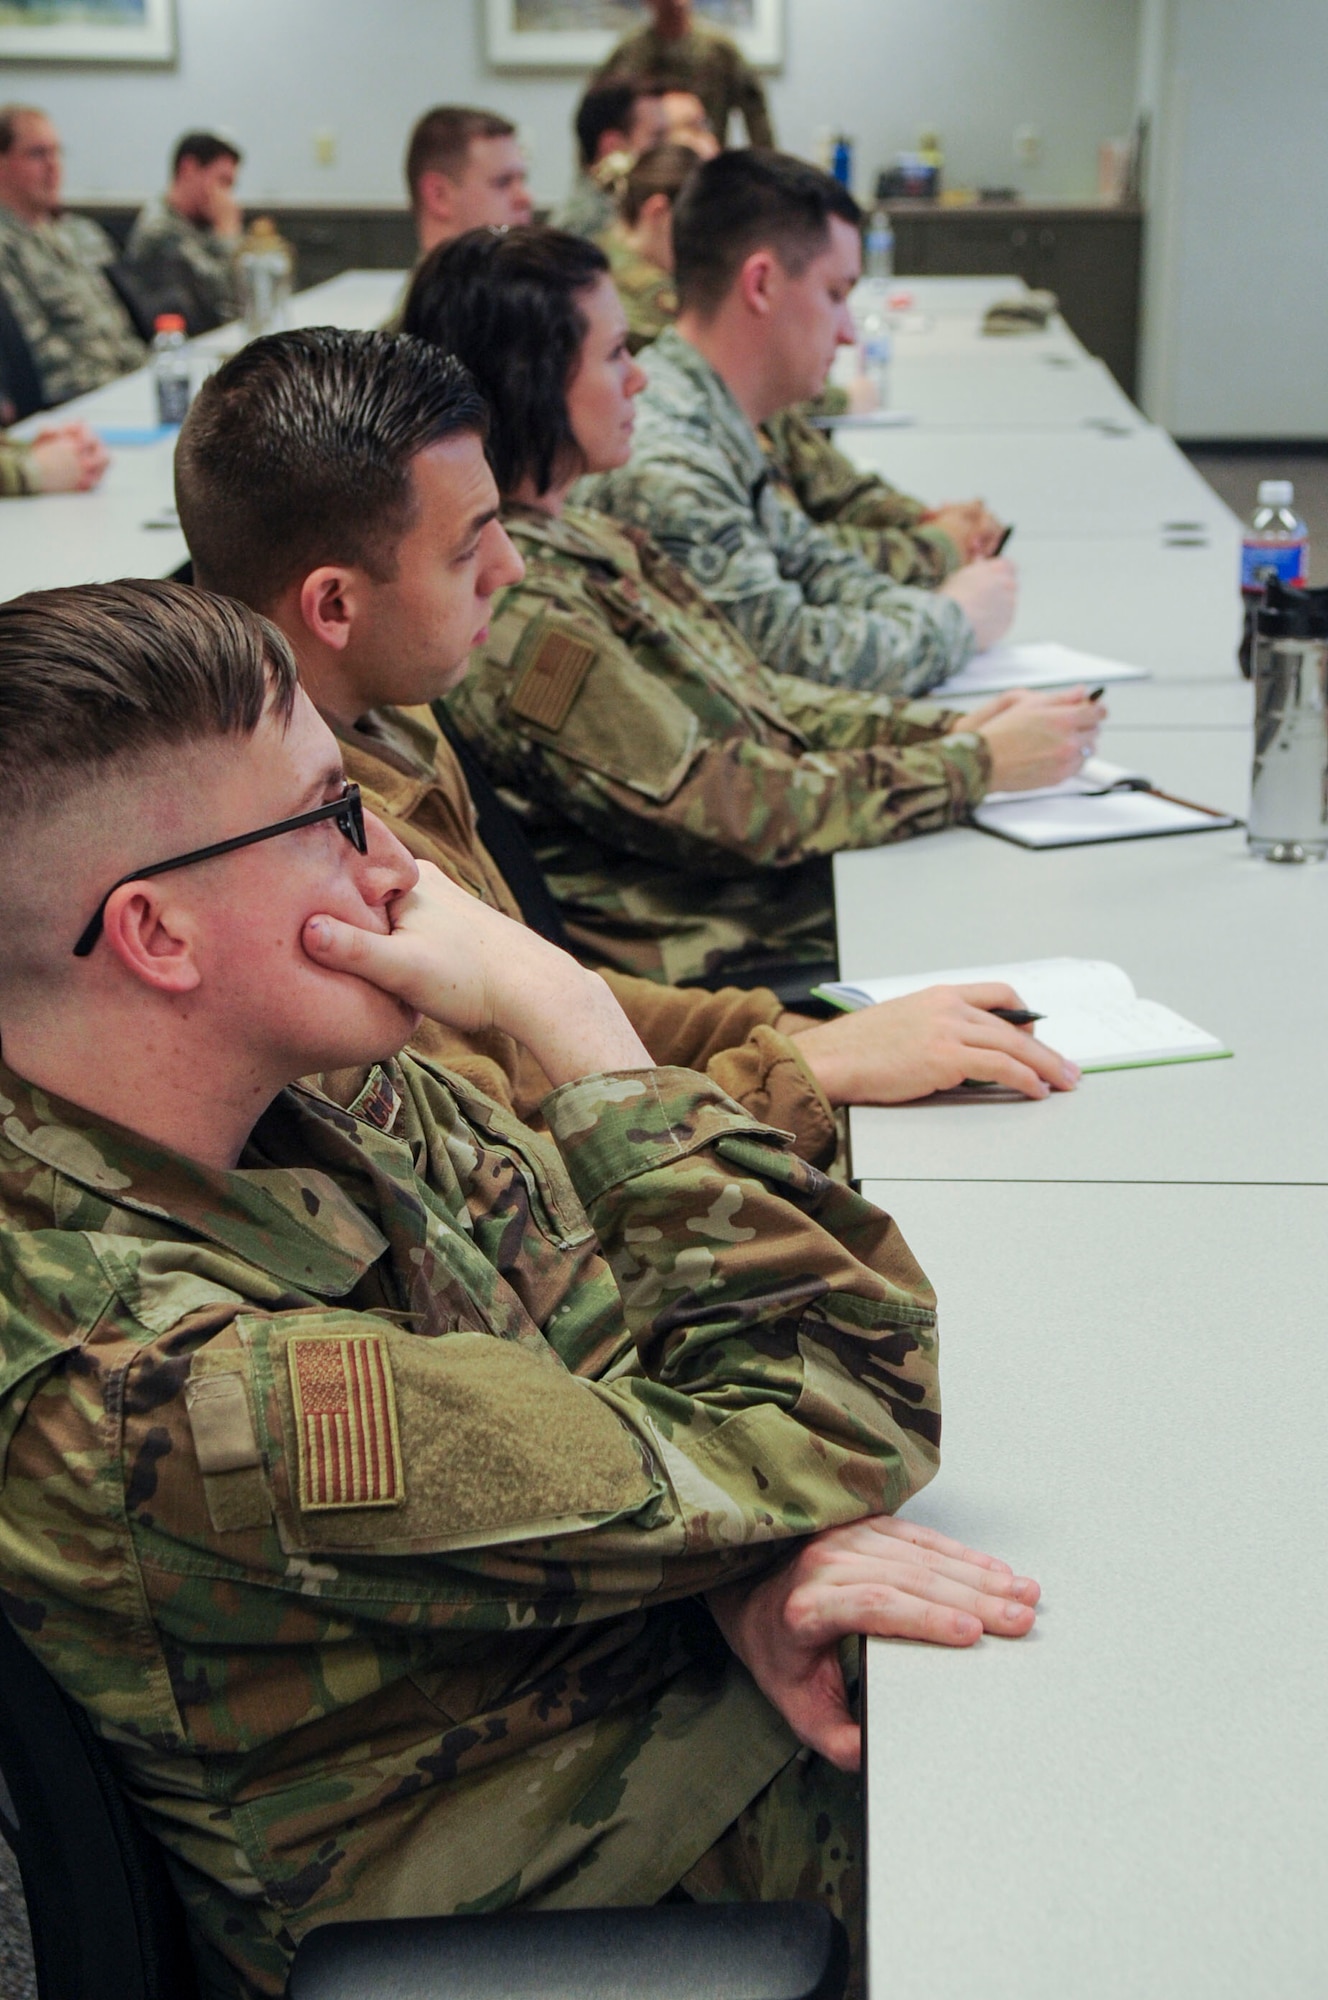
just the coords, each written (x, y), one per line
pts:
(578, 34)
(99, 31)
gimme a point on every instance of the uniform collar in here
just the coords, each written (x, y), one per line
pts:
(294, 1222)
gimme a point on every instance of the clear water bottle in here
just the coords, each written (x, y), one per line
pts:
(266, 264)
(879, 261)
(1275, 539)
(875, 349)
(170, 368)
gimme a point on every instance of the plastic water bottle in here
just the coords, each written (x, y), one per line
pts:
(879, 261)
(841, 164)
(875, 348)
(170, 368)
(1276, 539)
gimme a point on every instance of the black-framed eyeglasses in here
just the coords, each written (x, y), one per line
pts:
(347, 811)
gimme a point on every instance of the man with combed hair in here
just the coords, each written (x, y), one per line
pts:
(194, 230)
(766, 252)
(673, 48)
(308, 488)
(53, 267)
(429, 1517)
(615, 124)
(465, 170)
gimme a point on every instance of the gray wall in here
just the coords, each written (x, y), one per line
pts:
(1236, 306)
(279, 71)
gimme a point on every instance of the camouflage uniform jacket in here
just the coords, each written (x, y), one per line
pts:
(78, 330)
(878, 522)
(682, 800)
(646, 291)
(161, 235)
(359, 1493)
(592, 204)
(409, 776)
(16, 474)
(701, 61)
(700, 483)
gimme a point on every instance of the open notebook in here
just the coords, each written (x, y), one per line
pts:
(1100, 802)
(1091, 1012)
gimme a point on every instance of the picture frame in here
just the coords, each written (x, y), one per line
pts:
(578, 34)
(87, 31)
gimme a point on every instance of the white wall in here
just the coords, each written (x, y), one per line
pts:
(1236, 319)
(278, 71)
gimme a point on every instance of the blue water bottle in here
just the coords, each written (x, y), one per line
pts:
(841, 166)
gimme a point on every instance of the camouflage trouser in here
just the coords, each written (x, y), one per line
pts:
(800, 1839)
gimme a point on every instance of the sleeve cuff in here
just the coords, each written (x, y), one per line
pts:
(770, 1078)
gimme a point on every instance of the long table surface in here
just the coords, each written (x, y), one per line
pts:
(1076, 483)
(1236, 944)
(1134, 1800)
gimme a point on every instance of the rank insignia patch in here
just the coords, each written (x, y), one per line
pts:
(552, 681)
(346, 1423)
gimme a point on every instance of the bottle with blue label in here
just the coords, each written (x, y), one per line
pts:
(1276, 539)
(841, 161)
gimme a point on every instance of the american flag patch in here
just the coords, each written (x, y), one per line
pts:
(345, 1423)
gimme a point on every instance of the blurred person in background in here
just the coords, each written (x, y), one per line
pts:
(465, 169)
(674, 49)
(615, 125)
(193, 231)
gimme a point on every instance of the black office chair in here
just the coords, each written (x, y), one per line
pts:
(20, 383)
(106, 1923)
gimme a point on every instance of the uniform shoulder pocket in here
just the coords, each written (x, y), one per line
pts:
(581, 692)
(379, 1440)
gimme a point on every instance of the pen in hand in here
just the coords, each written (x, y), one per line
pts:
(1018, 1017)
(1005, 536)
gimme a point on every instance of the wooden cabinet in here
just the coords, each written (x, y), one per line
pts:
(1089, 256)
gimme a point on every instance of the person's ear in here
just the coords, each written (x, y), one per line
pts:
(434, 192)
(757, 282)
(330, 600)
(612, 141)
(153, 936)
(655, 207)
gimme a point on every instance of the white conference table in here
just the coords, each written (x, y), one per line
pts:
(1009, 390)
(1173, 608)
(1134, 1799)
(1078, 483)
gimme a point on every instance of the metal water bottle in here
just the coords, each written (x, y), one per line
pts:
(1289, 790)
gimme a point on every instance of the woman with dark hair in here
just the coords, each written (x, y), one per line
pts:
(683, 800)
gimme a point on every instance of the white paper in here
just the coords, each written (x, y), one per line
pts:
(1043, 665)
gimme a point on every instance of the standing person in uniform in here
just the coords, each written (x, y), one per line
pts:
(428, 1517)
(674, 49)
(196, 227)
(766, 253)
(53, 267)
(683, 801)
(615, 124)
(465, 169)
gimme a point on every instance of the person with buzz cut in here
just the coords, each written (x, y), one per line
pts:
(766, 252)
(674, 49)
(464, 170)
(194, 230)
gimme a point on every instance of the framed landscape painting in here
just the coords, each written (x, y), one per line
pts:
(115, 31)
(578, 34)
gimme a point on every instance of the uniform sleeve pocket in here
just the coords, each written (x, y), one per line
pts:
(376, 1439)
(581, 692)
